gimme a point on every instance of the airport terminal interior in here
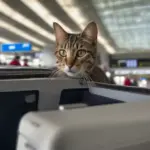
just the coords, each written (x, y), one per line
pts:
(40, 110)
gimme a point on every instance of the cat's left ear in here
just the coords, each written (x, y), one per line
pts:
(90, 32)
(60, 34)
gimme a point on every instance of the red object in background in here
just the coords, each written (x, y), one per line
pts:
(127, 82)
(15, 63)
(26, 64)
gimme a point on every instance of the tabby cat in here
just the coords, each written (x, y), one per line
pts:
(76, 54)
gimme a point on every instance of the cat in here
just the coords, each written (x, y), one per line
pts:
(76, 54)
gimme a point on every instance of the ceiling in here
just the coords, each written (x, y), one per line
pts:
(123, 25)
(127, 21)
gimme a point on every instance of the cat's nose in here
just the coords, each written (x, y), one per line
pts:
(70, 62)
(68, 68)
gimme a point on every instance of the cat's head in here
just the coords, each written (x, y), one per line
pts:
(76, 53)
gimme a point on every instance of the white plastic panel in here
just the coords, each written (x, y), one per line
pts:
(49, 89)
(111, 127)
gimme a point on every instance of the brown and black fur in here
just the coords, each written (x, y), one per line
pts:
(79, 51)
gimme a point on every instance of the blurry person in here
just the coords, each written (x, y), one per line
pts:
(112, 78)
(25, 63)
(127, 81)
(15, 61)
(134, 82)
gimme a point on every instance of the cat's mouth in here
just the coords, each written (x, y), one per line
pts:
(72, 72)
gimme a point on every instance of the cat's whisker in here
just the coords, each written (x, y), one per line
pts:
(90, 81)
(54, 73)
(93, 83)
(84, 79)
(87, 80)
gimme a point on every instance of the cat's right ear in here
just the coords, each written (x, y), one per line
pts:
(90, 31)
(60, 34)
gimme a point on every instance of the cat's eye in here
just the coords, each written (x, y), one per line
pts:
(81, 53)
(62, 53)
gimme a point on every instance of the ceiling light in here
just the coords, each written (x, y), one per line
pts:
(35, 48)
(109, 49)
(43, 13)
(7, 41)
(4, 40)
(74, 12)
(10, 12)
(15, 30)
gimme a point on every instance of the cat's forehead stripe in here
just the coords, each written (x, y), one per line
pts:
(73, 42)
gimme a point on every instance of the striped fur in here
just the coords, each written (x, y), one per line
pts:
(76, 53)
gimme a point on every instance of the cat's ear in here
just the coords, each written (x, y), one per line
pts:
(90, 32)
(60, 34)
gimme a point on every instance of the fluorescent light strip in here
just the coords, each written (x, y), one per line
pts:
(11, 13)
(43, 13)
(5, 40)
(35, 48)
(77, 16)
(73, 12)
(13, 29)
(106, 45)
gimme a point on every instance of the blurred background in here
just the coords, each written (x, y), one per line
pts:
(26, 34)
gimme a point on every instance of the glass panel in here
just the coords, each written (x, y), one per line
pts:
(127, 22)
